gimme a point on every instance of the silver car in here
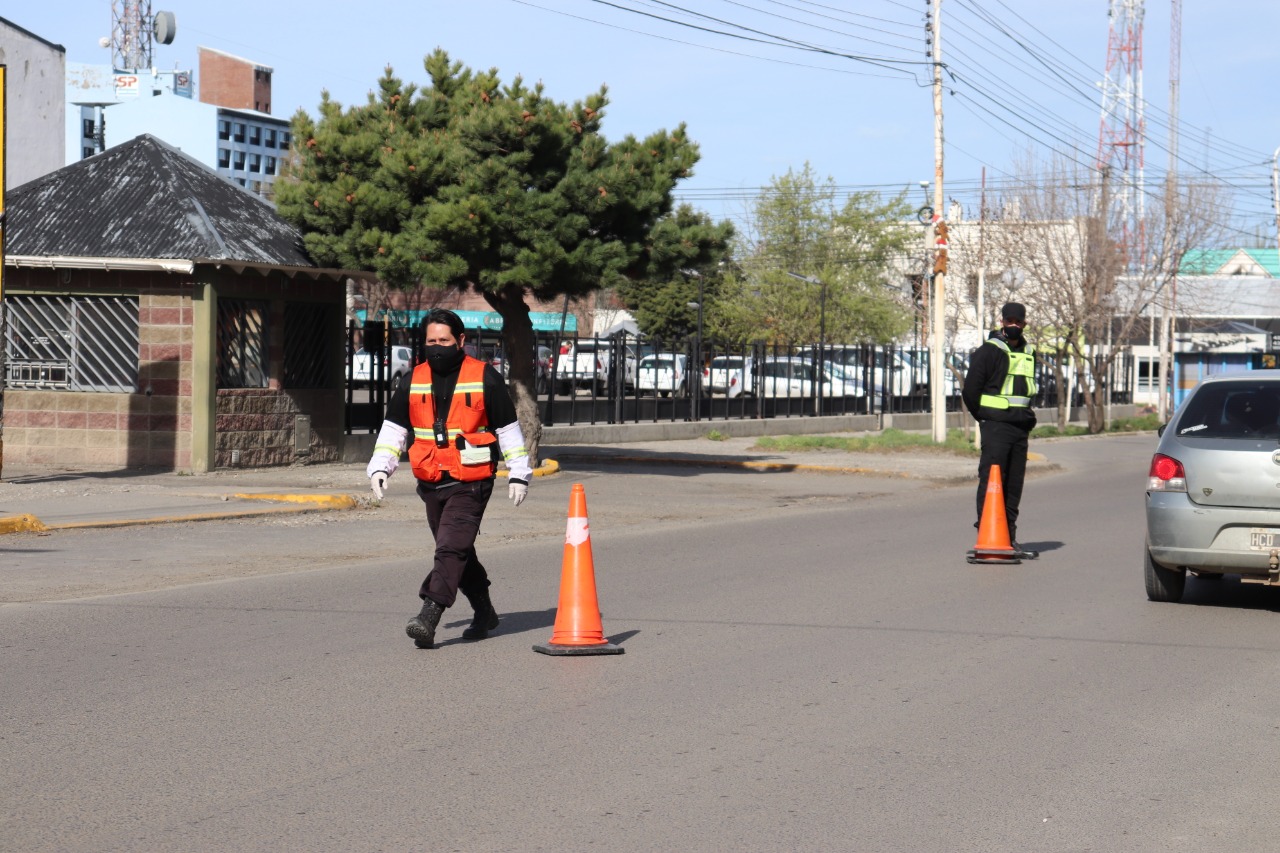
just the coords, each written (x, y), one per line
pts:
(1213, 490)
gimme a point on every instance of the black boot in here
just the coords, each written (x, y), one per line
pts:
(422, 628)
(486, 618)
(1023, 553)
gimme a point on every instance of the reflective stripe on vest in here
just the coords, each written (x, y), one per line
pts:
(467, 423)
(1020, 364)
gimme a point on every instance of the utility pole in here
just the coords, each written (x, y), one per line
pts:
(1275, 191)
(982, 281)
(1172, 201)
(937, 386)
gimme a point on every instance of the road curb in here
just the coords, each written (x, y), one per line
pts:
(298, 504)
(545, 468)
(21, 524)
(737, 463)
(319, 501)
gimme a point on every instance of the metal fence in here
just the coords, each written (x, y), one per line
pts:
(628, 379)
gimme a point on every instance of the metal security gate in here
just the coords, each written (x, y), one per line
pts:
(75, 343)
(242, 343)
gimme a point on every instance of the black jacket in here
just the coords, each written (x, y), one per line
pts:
(988, 366)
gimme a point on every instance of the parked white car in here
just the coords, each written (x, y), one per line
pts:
(663, 374)
(896, 372)
(397, 371)
(797, 377)
(731, 375)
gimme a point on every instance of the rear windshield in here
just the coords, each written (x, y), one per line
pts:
(1232, 410)
(726, 363)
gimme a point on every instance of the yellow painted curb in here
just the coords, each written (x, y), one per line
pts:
(325, 501)
(21, 524)
(545, 467)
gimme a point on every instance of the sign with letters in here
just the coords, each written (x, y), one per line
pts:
(127, 85)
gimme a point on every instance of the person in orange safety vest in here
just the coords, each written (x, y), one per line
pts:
(460, 419)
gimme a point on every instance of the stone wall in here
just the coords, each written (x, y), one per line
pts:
(91, 430)
(257, 427)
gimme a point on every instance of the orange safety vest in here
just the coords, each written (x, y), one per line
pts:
(469, 455)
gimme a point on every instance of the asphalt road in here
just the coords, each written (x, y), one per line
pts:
(810, 665)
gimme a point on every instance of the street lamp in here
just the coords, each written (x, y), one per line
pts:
(822, 328)
(696, 390)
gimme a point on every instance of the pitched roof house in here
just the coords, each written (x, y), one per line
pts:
(158, 315)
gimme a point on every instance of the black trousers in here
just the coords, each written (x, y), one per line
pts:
(454, 514)
(1004, 445)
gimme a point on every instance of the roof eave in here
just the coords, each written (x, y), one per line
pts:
(170, 265)
(177, 265)
(292, 271)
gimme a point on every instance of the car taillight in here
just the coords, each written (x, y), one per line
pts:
(1166, 475)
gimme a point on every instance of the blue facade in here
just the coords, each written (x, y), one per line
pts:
(245, 146)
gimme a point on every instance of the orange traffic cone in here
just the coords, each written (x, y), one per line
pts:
(993, 544)
(578, 630)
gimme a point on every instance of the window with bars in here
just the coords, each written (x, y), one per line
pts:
(72, 343)
(242, 343)
(306, 345)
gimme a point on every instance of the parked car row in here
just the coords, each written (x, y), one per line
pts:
(586, 364)
(790, 376)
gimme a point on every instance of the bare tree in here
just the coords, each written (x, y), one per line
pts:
(1091, 285)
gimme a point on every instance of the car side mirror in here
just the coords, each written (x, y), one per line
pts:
(1160, 429)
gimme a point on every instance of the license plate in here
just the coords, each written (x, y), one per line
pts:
(1262, 539)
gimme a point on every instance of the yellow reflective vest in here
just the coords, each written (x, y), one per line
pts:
(1020, 364)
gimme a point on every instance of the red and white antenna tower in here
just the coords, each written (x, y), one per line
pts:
(131, 34)
(134, 32)
(1122, 133)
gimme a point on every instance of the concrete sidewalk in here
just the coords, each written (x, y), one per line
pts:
(38, 500)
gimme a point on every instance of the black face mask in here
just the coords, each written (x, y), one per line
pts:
(444, 358)
(1013, 333)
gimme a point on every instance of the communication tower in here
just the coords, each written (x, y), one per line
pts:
(1122, 132)
(134, 31)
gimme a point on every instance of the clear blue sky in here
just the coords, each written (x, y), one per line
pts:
(1023, 79)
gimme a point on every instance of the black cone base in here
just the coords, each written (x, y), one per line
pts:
(993, 558)
(597, 649)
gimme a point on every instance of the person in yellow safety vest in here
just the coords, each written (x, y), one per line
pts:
(461, 419)
(998, 390)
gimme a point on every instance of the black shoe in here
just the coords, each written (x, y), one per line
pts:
(486, 618)
(1023, 553)
(422, 628)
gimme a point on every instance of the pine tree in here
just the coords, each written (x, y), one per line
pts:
(470, 184)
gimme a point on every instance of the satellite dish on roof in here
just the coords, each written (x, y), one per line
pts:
(165, 27)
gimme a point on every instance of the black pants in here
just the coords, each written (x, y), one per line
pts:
(454, 515)
(1004, 445)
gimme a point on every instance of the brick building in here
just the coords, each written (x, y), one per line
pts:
(227, 80)
(159, 316)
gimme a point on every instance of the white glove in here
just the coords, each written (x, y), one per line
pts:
(378, 482)
(517, 492)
